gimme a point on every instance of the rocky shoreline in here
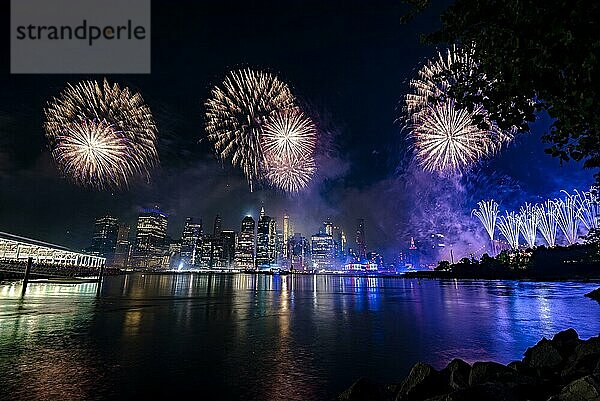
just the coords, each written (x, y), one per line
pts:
(595, 295)
(565, 368)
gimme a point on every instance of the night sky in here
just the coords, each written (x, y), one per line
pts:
(349, 60)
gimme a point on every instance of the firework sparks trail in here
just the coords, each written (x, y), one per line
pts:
(588, 208)
(236, 113)
(487, 213)
(547, 221)
(529, 223)
(567, 217)
(101, 136)
(510, 227)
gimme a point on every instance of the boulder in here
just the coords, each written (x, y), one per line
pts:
(522, 368)
(363, 390)
(422, 382)
(565, 342)
(543, 355)
(588, 347)
(486, 391)
(485, 372)
(585, 389)
(584, 359)
(457, 374)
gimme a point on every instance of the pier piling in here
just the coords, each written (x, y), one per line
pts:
(100, 279)
(27, 273)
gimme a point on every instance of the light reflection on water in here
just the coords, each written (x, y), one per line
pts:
(261, 337)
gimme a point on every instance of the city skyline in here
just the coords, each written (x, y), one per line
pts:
(258, 244)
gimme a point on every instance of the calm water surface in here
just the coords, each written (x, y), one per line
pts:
(252, 337)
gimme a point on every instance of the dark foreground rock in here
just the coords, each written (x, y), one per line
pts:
(564, 368)
(595, 295)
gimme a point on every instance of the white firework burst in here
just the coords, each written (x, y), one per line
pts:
(289, 134)
(290, 175)
(447, 140)
(236, 112)
(431, 111)
(101, 135)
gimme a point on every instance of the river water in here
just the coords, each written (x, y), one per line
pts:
(260, 337)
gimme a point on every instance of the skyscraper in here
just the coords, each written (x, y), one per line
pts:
(244, 253)
(339, 244)
(279, 248)
(228, 237)
(217, 226)
(212, 247)
(328, 227)
(123, 247)
(299, 252)
(191, 241)
(266, 237)
(150, 238)
(361, 247)
(322, 251)
(413, 255)
(286, 233)
(104, 240)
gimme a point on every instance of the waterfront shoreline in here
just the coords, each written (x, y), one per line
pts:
(414, 275)
(564, 368)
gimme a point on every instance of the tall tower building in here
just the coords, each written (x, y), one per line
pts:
(104, 240)
(150, 238)
(217, 226)
(122, 248)
(361, 247)
(266, 238)
(299, 252)
(228, 238)
(322, 251)
(191, 241)
(244, 253)
(286, 233)
(339, 244)
(272, 241)
(413, 254)
(328, 226)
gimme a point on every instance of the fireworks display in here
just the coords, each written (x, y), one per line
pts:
(487, 213)
(236, 114)
(567, 216)
(547, 222)
(290, 174)
(529, 223)
(436, 77)
(565, 213)
(101, 135)
(289, 134)
(446, 137)
(510, 227)
(588, 207)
